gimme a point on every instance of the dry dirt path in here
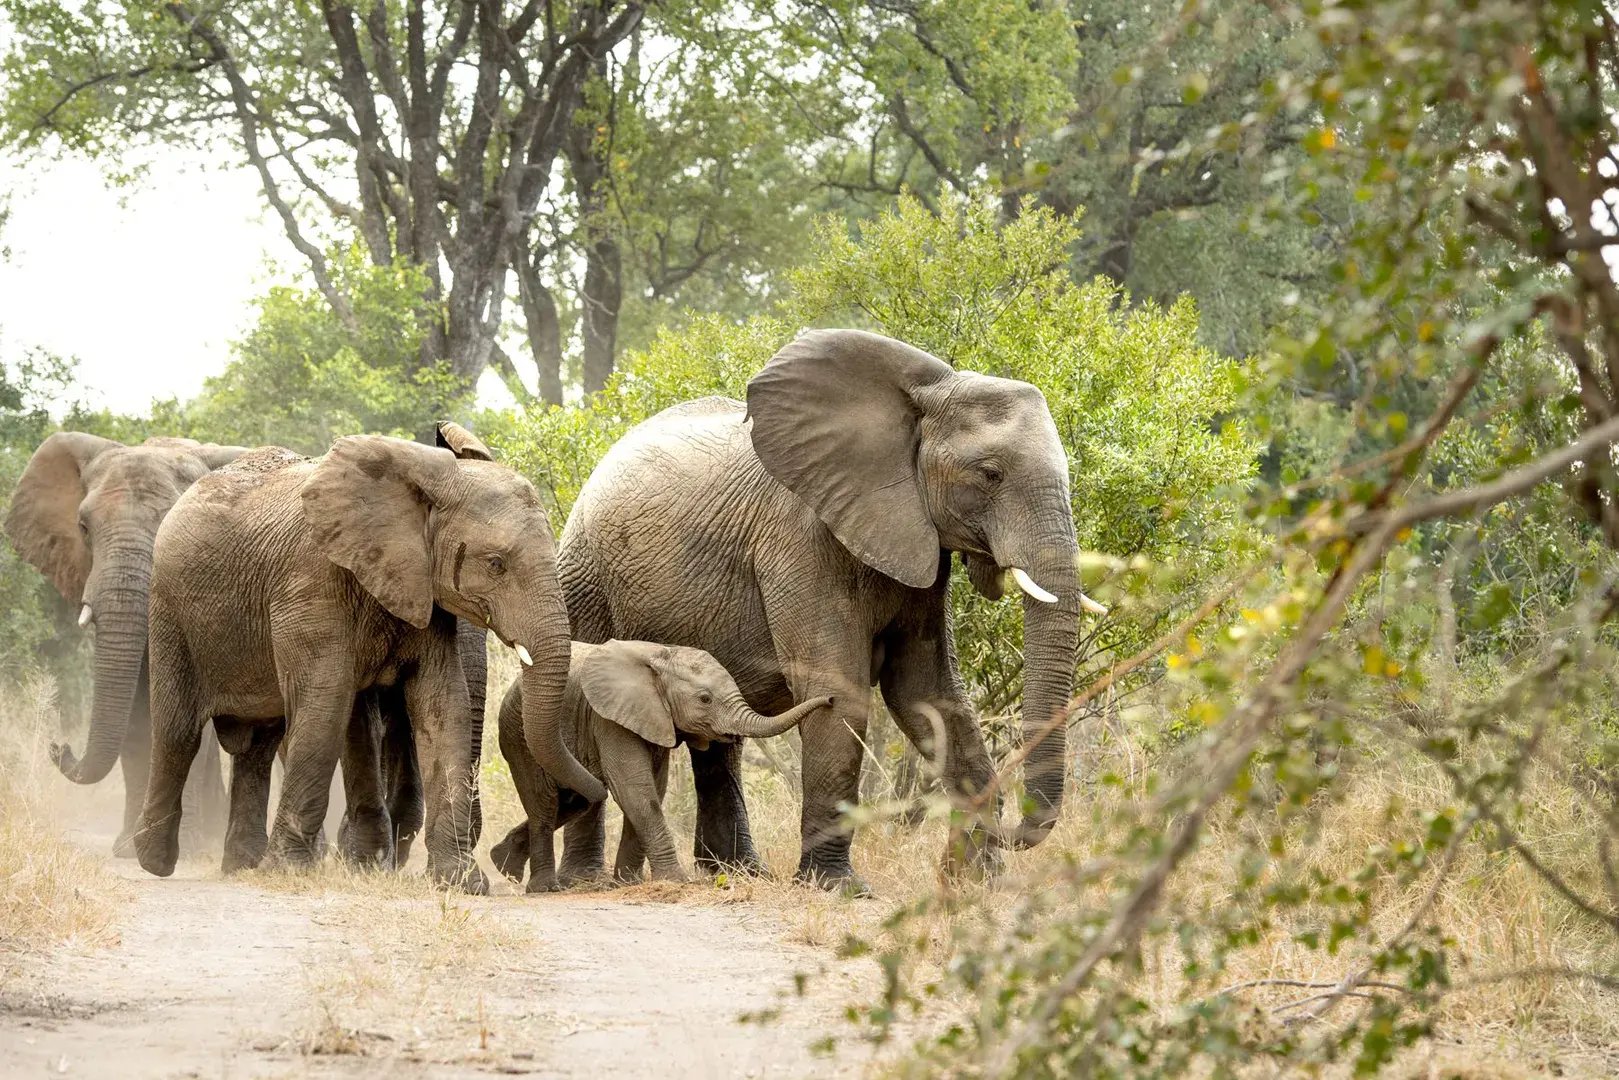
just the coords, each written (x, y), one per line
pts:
(233, 979)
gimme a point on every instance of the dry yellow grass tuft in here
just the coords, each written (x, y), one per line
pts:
(51, 892)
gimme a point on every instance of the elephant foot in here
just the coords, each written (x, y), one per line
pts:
(293, 853)
(475, 882)
(675, 874)
(366, 840)
(124, 846)
(510, 856)
(467, 877)
(543, 883)
(568, 877)
(832, 873)
(972, 855)
(747, 863)
(243, 855)
(158, 849)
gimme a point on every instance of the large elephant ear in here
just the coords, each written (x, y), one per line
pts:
(43, 523)
(216, 456)
(835, 420)
(461, 442)
(366, 503)
(620, 682)
(212, 455)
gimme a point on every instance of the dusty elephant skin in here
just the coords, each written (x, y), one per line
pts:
(628, 703)
(85, 514)
(811, 529)
(285, 591)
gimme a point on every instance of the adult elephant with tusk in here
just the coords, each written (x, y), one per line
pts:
(812, 529)
(286, 590)
(85, 514)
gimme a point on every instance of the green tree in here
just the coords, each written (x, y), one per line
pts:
(301, 378)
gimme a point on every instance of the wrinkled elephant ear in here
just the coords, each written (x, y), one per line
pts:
(620, 682)
(367, 503)
(43, 523)
(461, 442)
(835, 420)
(212, 455)
(216, 456)
(988, 579)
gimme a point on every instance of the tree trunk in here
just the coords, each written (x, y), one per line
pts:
(603, 291)
(544, 331)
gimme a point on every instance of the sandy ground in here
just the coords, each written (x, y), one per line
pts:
(218, 977)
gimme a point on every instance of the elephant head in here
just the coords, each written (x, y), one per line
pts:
(902, 458)
(657, 690)
(422, 525)
(85, 513)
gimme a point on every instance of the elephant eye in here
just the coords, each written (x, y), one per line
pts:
(84, 527)
(990, 472)
(497, 565)
(705, 698)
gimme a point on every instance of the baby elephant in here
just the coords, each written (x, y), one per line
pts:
(627, 703)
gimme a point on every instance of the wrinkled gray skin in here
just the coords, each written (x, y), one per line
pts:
(286, 588)
(628, 703)
(85, 514)
(804, 540)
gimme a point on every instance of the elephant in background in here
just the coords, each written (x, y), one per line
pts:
(285, 588)
(628, 703)
(86, 513)
(812, 528)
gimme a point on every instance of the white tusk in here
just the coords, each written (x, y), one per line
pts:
(1027, 584)
(1091, 605)
(522, 654)
(84, 615)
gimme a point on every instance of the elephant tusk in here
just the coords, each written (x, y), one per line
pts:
(1091, 605)
(1028, 585)
(522, 654)
(85, 615)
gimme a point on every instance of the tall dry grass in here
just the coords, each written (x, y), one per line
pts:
(52, 892)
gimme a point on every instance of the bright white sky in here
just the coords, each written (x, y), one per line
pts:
(147, 285)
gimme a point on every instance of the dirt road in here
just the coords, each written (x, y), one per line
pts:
(244, 978)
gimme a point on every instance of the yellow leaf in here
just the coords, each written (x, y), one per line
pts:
(1372, 661)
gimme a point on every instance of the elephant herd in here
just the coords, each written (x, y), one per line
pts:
(730, 570)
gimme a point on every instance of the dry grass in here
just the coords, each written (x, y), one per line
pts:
(51, 892)
(1498, 915)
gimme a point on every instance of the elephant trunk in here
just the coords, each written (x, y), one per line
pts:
(119, 604)
(1050, 651)
(741, 720)
(545, 685)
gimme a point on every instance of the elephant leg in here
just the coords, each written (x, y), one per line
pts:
(584, 847)
(631, 769)
(177, 719)
(923, 692)
(542, 858)
(833, 742)
(320, 702)
(631, 855)
(135, 758)
(510, 855)
(441, 718)
(252, 747)
(402, 777)
(723, 840)
(366, 835)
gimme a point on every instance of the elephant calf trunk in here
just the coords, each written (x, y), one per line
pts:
(746, 723)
